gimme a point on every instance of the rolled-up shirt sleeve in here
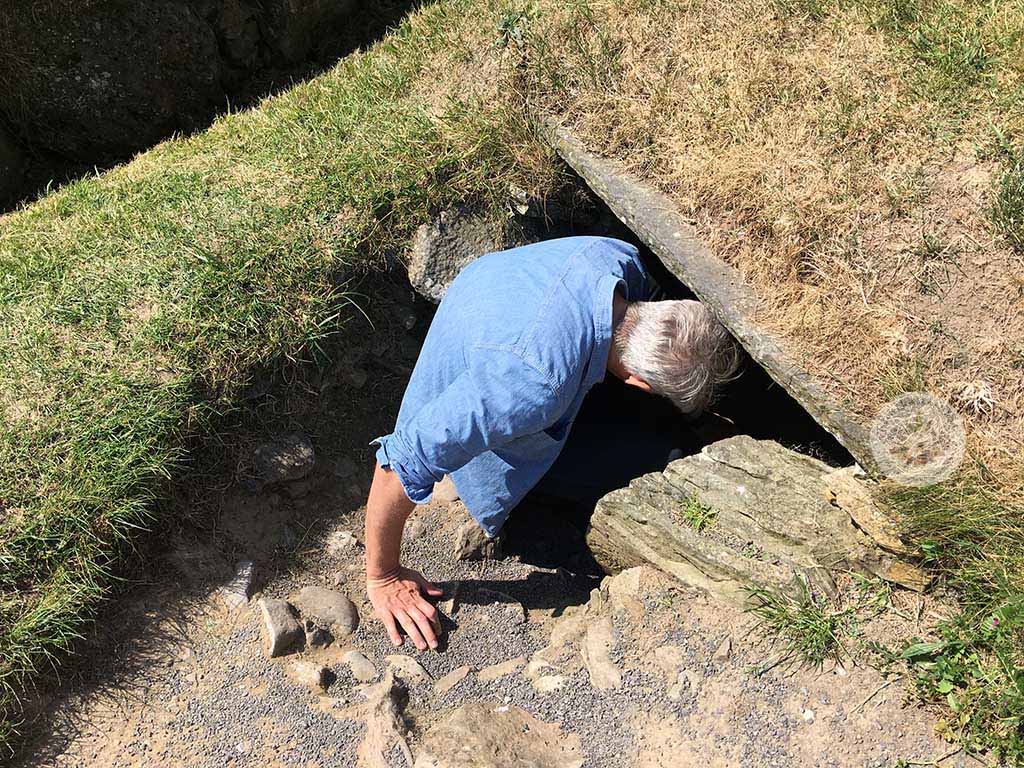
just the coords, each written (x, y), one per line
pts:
(498, 398)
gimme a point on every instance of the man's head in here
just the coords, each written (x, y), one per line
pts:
(676, 349)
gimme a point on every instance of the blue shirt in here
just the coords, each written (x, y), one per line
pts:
(517, 342)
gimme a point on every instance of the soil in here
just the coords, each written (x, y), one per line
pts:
(172, 676)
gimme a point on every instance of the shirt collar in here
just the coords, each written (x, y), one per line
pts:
(603, 316)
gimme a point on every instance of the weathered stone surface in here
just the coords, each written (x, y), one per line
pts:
(317, 635)
(362, 668)
(471, 543)
(281, 631)
(502, 669)
(774, 522)
(290, 458)
(658, 222)
(342, 543)
(407, 668)
(330, 608)
(310, 674)
(385, 726)
(453, 678)
(491, 735)
(596, 648)
(441, 248)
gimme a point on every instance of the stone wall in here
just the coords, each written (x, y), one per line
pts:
(93, 81)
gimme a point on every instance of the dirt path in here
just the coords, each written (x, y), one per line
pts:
(643, 674)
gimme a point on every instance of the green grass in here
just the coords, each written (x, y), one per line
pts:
(1008, 199)
(973, 539)
(808, 629)
(698, 516)
(135, 305)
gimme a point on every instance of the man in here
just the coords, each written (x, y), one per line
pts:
(519, 339)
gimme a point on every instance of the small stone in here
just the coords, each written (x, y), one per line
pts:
(243, 747)
(724, 651)
(290, 458)
(543, 683)
(596, 649)
(332, 609)
(342, 543)
(281, 631)
(316, 635)
(362, 668)
(310, 674)
(496, 671)
(237, 592)
(414, 529)
(445, 491)
(407, 668)
(471, 543)
(449, 681)
(808, 715)
(687, 679)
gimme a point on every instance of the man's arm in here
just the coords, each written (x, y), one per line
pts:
(397, 593)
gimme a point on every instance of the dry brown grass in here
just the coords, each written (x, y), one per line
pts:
(845, 172)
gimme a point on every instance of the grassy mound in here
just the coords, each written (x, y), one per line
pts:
(134, 305)
(858, 160)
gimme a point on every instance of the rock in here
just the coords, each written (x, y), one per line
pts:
(342, 543)
(414, 529)
(290, 458)
(281, 631)
(362, 668)
(503, 669)
(443, 247)
(385, 726)
(471, 543)
(407, 668)
(723, 652)
(293, 27)
(773, 524)
(445, 491)
(491, 735)
(596, 648)
(237, 592)
(331, 609)
(537, 672)
(686, 679)
(669, 659)
(449, 681)
(12, 166)
(310, 674)
(317, 636)
(104, 79)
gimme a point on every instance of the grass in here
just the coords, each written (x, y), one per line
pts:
(808, 629)
(1008, 204)
(698, 516)
(134, 306)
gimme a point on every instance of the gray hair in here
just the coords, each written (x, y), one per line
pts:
(680, 349)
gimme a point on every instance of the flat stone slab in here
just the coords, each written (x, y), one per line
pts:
(742, 514)
(329, 607)
(492, 735)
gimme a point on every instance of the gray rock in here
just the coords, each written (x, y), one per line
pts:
(492, 735)
(453, 678)
(331, 609)
(471, 543)
(281, 631)
(237, 592)
(290, 458)
(362, 668)
(317, 636)
(443, 247)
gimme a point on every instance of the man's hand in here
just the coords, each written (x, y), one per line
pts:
(399, 599)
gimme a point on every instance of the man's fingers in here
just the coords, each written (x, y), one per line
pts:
(411, 629)
(425, 626)
(392, 628)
